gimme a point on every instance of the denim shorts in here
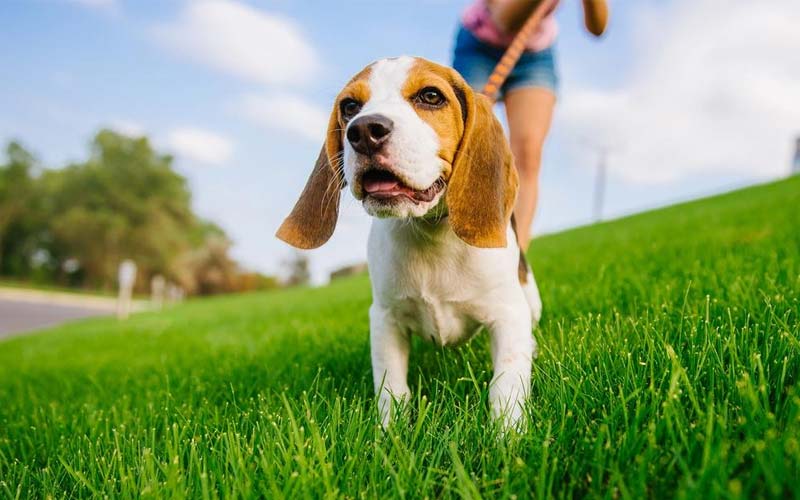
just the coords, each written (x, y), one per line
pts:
(475, 60)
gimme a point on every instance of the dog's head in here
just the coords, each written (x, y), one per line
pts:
(408, 136)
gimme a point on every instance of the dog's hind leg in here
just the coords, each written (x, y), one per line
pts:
(532, 296)
(528, 282)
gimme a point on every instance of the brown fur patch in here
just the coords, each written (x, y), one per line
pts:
(313, 218)
(447, 120)
(357, 88)
(478, 165)
(479, 168)
(483, 187)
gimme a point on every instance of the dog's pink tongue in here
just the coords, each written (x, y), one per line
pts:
(380, 186)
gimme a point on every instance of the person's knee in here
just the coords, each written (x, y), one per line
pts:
(528, 157)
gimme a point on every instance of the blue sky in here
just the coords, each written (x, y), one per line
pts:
(692, 99)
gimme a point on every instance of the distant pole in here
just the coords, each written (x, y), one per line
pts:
(157, 286)
(600, 184)
(796, 162)
(603, 150)
(175, 293)
(126, 278)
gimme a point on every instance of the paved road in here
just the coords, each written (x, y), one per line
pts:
(18, 316)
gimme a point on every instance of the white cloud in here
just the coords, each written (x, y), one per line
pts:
(285, 112)
(715, 89)
(200, 145)
(242, 41)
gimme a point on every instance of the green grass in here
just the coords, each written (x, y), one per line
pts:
(15, 284)
(44, 287)
(669, 367)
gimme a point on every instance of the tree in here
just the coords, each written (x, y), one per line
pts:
(126, 201)
(76, 224)
(209, 269)
(16, 198)
(298, 269)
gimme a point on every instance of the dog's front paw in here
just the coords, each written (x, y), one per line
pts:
(389, 404)
(508, 406)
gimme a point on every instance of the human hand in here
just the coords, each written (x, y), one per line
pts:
(595, 16)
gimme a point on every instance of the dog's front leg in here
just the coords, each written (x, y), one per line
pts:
(512, 353)
(389, 348)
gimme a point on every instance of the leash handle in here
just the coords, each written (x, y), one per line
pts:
(515, 49)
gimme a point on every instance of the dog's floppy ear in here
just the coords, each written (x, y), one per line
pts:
(483, 186)
(314, 216)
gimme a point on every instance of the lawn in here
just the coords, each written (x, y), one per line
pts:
(31, 285)
(670, 356)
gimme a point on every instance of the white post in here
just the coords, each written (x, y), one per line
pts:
(175, 293)
(126, 277)
(157, 288)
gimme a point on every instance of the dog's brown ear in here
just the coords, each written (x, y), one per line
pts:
(483, 186)
(313, 218)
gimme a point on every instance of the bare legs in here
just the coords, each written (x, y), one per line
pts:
(529, 112)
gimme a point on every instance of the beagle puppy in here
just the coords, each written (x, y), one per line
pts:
(428, 160)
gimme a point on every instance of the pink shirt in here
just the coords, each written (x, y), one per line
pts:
(476, 19)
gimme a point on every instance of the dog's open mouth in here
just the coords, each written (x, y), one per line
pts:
(384, 185)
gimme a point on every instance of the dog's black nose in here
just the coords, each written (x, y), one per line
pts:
(367, 134)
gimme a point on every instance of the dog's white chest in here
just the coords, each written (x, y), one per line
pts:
(436, 286)
(432, 319)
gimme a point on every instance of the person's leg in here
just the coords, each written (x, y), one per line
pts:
(529, 111)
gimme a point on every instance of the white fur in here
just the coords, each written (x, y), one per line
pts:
(413, 149)
(534, 299)
(427, 281)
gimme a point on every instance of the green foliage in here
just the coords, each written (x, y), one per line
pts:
(670, 356)
(210, 269)
(18, 213)
(298, 270)
(125, 202)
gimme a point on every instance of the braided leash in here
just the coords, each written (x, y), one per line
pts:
(515, 49)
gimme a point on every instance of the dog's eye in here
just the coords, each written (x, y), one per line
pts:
(430, 96)
(349, 108)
